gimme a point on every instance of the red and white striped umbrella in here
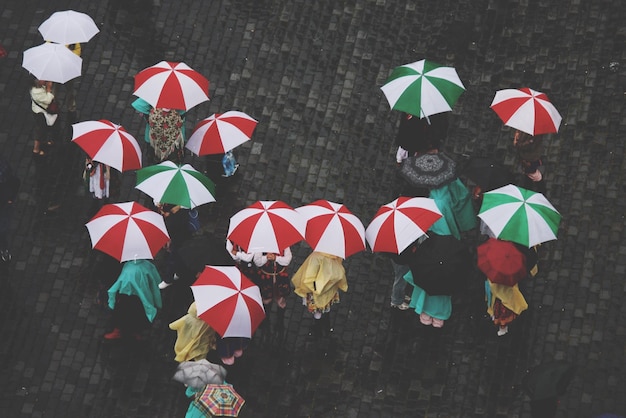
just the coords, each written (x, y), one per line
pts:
(266, 226)
(399, 223)
(331, 228)
(221, 132)
(228, 301)
(127, 231)
(527, 110)
(108, 144)
(171, 85)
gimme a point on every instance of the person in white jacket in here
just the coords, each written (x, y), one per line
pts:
(41, 94)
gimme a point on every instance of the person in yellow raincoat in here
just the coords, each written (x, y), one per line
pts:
(504, 304)
(195, 338)
(318, 281)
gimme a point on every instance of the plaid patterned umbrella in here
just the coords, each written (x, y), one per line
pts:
(220, 400)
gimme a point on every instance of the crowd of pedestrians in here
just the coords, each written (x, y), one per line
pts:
(134, 296)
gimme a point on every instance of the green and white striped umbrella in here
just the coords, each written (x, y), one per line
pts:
(423, 88)
(168, 182)
(519, 215)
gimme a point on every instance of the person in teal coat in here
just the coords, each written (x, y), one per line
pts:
(455, 203)
(432, 309)
(135, 299)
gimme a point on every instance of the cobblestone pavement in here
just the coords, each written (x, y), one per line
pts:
(310, 72)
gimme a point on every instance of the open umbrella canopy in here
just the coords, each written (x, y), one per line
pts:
(331, 228)
(52, 62)
(486, 173)
(197, 374)
(127, 231)
(519, 215)
(420, 135)
(528, 110)
(441, 265)
(501, 261)
(266, 226)
(108, 143)
(168, 182)
(171, 85)
(220, 400)
(548, 380)
(398, 224)
(428, 170)
(423, 88)
(228, 301)
(68, 27)
(221, 132)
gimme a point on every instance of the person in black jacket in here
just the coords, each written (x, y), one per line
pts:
(177, 224)
(9, 186)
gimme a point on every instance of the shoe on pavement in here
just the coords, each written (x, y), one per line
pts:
(426, 319)
(164, 285)
(403, 306)
(113, 335)
(503, 331)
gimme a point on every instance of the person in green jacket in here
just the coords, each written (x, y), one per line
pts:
(135, 299)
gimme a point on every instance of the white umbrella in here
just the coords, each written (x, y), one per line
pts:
(519, 215)
(108, 143)
(52, 62)
(228, 301)
(528, 110)
(168, 182)
(423, 88)
(331, 228)
(199, 373)
(68, 27)
(266, 226)
(399, 223)
(221, 132)
(127, 231)
(172, 85)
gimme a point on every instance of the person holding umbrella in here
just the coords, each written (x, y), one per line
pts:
(42, 97)
(243, 260)
(272, 277)
(504, 265)
(529, 150)
(97, 177)
(166, 134)
(545, 384)
(177, 223)
(194, 337)
(318, 281)
(417, 136)
(432, 309)
(144, 108)
(439, 268)
(504, 304)
(436, 171)
(134, 299)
